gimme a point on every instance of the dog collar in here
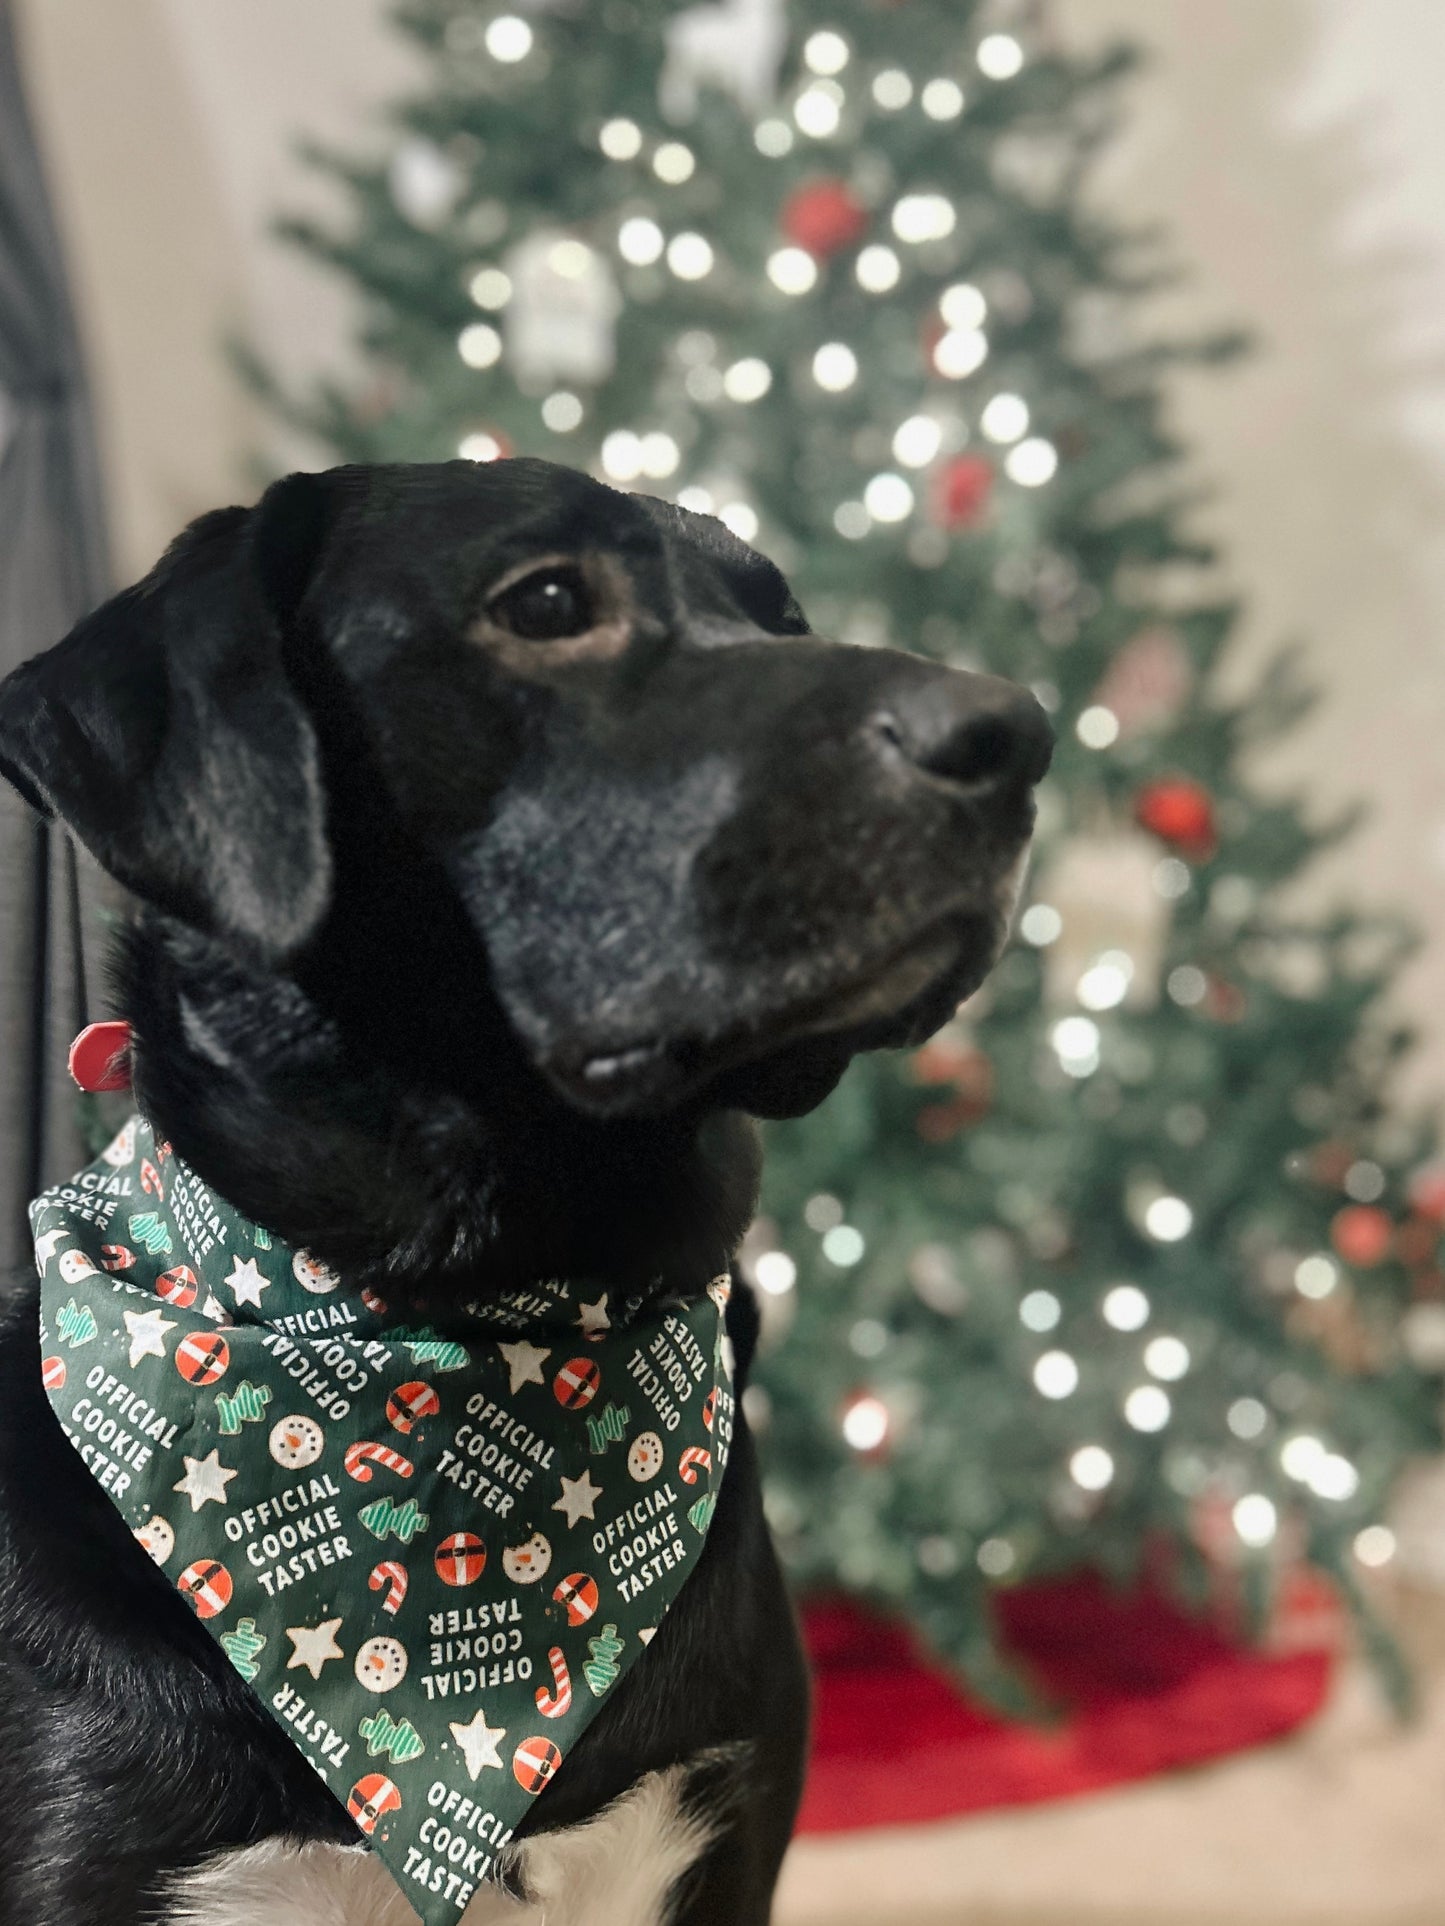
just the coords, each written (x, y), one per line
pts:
(431, 1551)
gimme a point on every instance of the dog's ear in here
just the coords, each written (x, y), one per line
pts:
(165, 733)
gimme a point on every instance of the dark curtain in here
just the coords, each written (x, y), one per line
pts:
(52, 569)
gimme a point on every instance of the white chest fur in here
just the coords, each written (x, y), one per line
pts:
(620, 1869)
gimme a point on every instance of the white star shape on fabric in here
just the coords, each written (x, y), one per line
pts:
(593, 1317)
(247, 1282)
(579, 1495)
(46, 1243)
(147, 1339)
(215, 1310)
(205, 1480)
(314, 1644)
(479, 1742)
(524, 1363)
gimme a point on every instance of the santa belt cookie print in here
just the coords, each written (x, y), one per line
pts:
(430, 1550)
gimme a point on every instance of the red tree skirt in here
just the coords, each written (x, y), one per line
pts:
(1138, 1687)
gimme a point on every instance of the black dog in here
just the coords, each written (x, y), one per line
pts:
(502, 842)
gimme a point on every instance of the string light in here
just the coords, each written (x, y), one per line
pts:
(917, 441)
(1171, 878)
(570, 259)
(1334, 1478)
(868, 1338)
(775, 1273)
(865, 1423)
(818, 110)
(1032, 462)
(1255, 1520)
(963, 306)
(892, 89)
(960, 353)
(622, 455)
(843, 1246)
(1005, 418)
(1097, 727)
(1041, 925)
(747, 380)
(1106, 982)
(660, 455)
(1076, 1044)
(999, 56)
(822, 1211)
(942, 100)
(825, 52)
(1167, 1358)
(995, 1557)
(792, 270)
(699, 500)
(640, 241)
(740, 518)
(1299, 1455)
(835, 367)
(1147, 1408)
(1315, 1277)
(703, 383)
(479, 447)
(888, 498)
(562, 412)
(1187, 986)
(690, 256)
(1168, 1219)
(620, 140)
(773, 138)
(1364, 1181)
(479, 345)
(1056, 1375)
(1375, 1545)
(1125, 1308)
(1247, 1419)
(508, 38)
(489, 287)
(1040, 1311)
(852, 521)
(923, 217)
(673, 163)
(1091, 1468)
(877, 269)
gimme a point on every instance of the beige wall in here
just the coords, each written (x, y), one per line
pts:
(1294, 147)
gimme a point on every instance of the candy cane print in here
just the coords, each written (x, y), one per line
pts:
(694, 1460)
(557, 1704)
(391, 1573)
(361, 1456)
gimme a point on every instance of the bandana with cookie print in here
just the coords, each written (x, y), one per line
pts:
(430, 1549)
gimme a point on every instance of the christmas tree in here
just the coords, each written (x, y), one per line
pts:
(1131, 1263)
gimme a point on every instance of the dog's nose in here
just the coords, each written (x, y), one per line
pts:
(974, 730)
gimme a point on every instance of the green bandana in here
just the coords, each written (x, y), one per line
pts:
(431, 1551)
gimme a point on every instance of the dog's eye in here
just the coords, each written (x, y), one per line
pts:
(546, 607)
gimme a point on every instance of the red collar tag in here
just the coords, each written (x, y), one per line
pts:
(100, 1057)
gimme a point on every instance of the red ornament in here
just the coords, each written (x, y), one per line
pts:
(1180, 812)
(823, 217)
(1418, 1240)
(962, 490)
(947, 1059)
(1362, 1235)
(1427, 1191)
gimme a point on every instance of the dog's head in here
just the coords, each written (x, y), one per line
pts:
(702, 854)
